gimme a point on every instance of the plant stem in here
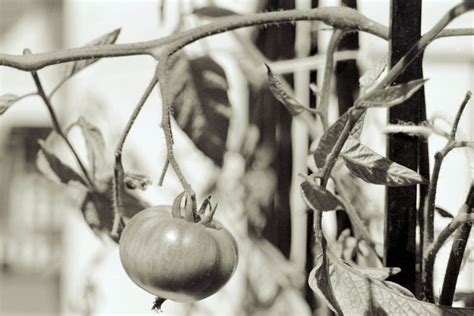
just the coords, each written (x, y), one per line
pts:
(424, 41)
(454, 128)
(57, 128)
(456, 256)
(338, 17)
(118, 185)
(163, 172)
(353, 116)
(392, 75)
(336, 37)
(430, 204)
(167, 105)
(428, 229)
(463, 217)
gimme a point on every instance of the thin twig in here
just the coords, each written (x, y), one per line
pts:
(163, 172)
(336, 37)
(430, 205)
(463, 143)
(456, 256)
(57, 128)
(431, 253)
(433, 250)
(118, 185)
(162, 71)
(454, 128)
(428, 229)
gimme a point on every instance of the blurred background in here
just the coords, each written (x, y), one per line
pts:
(52, 263)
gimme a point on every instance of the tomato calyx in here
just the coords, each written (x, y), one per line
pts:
(206, 211)
(184, 207)
(187, 211)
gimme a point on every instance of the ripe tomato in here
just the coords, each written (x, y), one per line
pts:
(176, 259)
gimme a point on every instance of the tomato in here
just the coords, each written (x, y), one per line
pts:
(177, 259)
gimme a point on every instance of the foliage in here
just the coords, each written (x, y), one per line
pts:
(194, 92)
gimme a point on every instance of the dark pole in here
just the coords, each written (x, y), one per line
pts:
(401, 202)
(277, 42)
(347, 85)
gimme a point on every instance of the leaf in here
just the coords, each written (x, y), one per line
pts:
(201, 105)
(441, 211)
(63, 172)
(213, 12)
(6, 101)
(371, 75)
(330, 137)
(371, 167)
(318, 197)
(74, 67)
(400, 289)
(358, 294)
(321, 274)
(390, 96)
(358, 127)
(377, 273)
(284, 94)
(98, 212)
(95, 146)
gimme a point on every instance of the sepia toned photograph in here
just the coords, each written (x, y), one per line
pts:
(236, 157)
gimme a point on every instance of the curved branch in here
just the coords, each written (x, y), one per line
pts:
(118, 167)
(338, 17)
(167, 105)
(336, 37)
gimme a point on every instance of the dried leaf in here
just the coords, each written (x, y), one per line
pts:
(213, 12)
(283, 93)
(200, 103)
(390, 96)
(358, 294)
(371, 167)
(371, 75)
(74, 67)
(57, 169)
(318, 198)
(95, 146)
(6, 101)
(137, 181)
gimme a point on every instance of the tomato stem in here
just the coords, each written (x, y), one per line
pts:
(157, 304)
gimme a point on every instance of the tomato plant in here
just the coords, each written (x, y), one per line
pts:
(177, 259)
(181, 254)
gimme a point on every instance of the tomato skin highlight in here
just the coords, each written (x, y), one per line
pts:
(176, 259)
